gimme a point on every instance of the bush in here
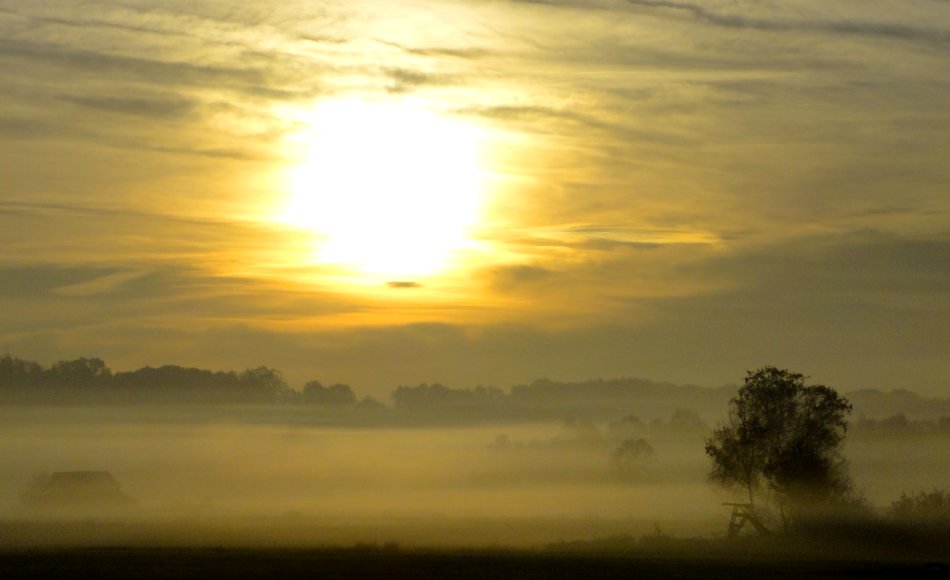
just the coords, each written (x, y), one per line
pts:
(923, 507)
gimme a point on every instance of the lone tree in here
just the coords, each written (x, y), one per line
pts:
(783, 438)
(631, 458)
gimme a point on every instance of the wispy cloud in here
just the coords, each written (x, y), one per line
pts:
(101, 285)
(154, 70)
(439, 51)
(157, 107)
(404, 80)
(934, 36)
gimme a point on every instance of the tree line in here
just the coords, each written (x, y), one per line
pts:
(91, 379)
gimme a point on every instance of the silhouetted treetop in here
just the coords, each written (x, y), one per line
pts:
(315, 393)
(82, 372)
(783, 437)
(15, 372)
(437, 395)
(90, 379)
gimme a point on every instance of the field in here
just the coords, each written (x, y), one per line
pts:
(224, 498)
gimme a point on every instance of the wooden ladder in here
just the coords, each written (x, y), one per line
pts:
(742, 513)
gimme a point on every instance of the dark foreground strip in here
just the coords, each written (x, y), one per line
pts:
(147, 564)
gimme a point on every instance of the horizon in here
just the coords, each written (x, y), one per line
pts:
(507, 387)
(91, 382)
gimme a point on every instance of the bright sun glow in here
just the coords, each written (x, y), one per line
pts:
(391, 188)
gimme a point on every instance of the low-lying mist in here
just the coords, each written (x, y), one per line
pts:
(216, 480)
(547, 481)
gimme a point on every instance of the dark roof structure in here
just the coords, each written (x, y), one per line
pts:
(77, 489)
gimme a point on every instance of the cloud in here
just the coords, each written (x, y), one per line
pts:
(886, 269)
(160, 107)
(509, 278)
(321, 39)
(85, 21)
(642, 237)
(861, 310)
(27, 281)
(80, 300)
(606, 238)
(26, 128)
(107, 284)
(546, 119)
(48, 130)
(675, 198)
(155, 70)
(405, 80)
(439, 51)
(583, 4)
(81, 234)
(856, 28)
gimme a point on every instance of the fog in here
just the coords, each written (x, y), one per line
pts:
(212, 477)
(887, 466)
(407, 485)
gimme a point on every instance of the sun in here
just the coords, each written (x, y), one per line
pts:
(390, 188)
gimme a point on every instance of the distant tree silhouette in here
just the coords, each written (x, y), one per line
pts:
(82, 372)
(15, 372)
(625, 428)
(631, 457)
(438, 395)
(783, 437)
(930, 508)
(177, 383)
(264, 383)
(315, 393)
(440, 403)
(91, 380)
(634, 449)
(687, 420)
(371, 404)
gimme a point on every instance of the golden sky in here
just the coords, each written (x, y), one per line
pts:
(481, 191)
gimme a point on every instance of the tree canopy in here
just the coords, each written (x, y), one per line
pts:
(783, 438)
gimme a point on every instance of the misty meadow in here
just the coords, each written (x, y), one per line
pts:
(199, 458)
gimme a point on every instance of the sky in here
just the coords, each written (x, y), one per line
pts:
(382, 192)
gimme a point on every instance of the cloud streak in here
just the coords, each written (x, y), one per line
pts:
(159, 107)
(933, 36)
(128, 67)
